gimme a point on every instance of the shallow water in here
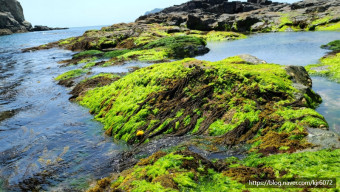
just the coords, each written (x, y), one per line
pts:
(294, 48)
(288, 48)
(49, 139)
(120, 69)
(330, 107)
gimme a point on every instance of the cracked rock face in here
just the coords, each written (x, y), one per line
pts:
(12, 18)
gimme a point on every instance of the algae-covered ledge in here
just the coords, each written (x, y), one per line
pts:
(268, 109)
(229, 102)
(198, 97)
(329, 65)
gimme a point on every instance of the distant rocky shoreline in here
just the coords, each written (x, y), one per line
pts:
(12, 19)
(251, 16)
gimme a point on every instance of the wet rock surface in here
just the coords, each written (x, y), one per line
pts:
(254, 15)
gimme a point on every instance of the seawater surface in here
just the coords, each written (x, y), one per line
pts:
(46, 142)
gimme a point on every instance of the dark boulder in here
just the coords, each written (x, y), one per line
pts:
(299, 75)
(12, 18)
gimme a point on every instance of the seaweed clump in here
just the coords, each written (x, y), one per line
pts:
(329, 66)
(187, 171)
(231, 100)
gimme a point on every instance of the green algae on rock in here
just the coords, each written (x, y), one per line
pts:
(232, 100)
(93, 82)
(187, 171)
(71, 74)
(329, 66)
(334, 45)
(133, 41)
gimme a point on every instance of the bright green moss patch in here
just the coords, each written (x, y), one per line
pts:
(71, 74)
(178, 46)
(329, 27)
(67, 41)
(328, 66)
(187, 171)
(323, 20)
(285, 20)
(115, 53)
(223, 36)
(308, 117)
(88, 53)
(192, 96)
(178, 171)
(334, 45)
(158, 54)
(89, 65)
(323, 163)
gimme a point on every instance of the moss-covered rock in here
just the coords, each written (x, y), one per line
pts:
(329, 66)
(122, 43)
(334, 46)
(99, 80)
(231, 100)
(188, 171)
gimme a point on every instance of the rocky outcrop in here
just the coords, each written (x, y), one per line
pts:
(45, 28)
(254, 15)
(157, 10)
(12, 18)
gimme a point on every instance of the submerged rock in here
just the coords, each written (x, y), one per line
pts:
(252, 59)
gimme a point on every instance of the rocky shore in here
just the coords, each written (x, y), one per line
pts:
(251, 16)
(182, 116)
(329, 65)
(12, 19)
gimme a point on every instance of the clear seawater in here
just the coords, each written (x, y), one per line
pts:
(49, 142)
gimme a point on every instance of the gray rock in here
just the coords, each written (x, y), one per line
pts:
(45, 28)
(12, 18)
(299, 75)
(252, 59)
(323, 139)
